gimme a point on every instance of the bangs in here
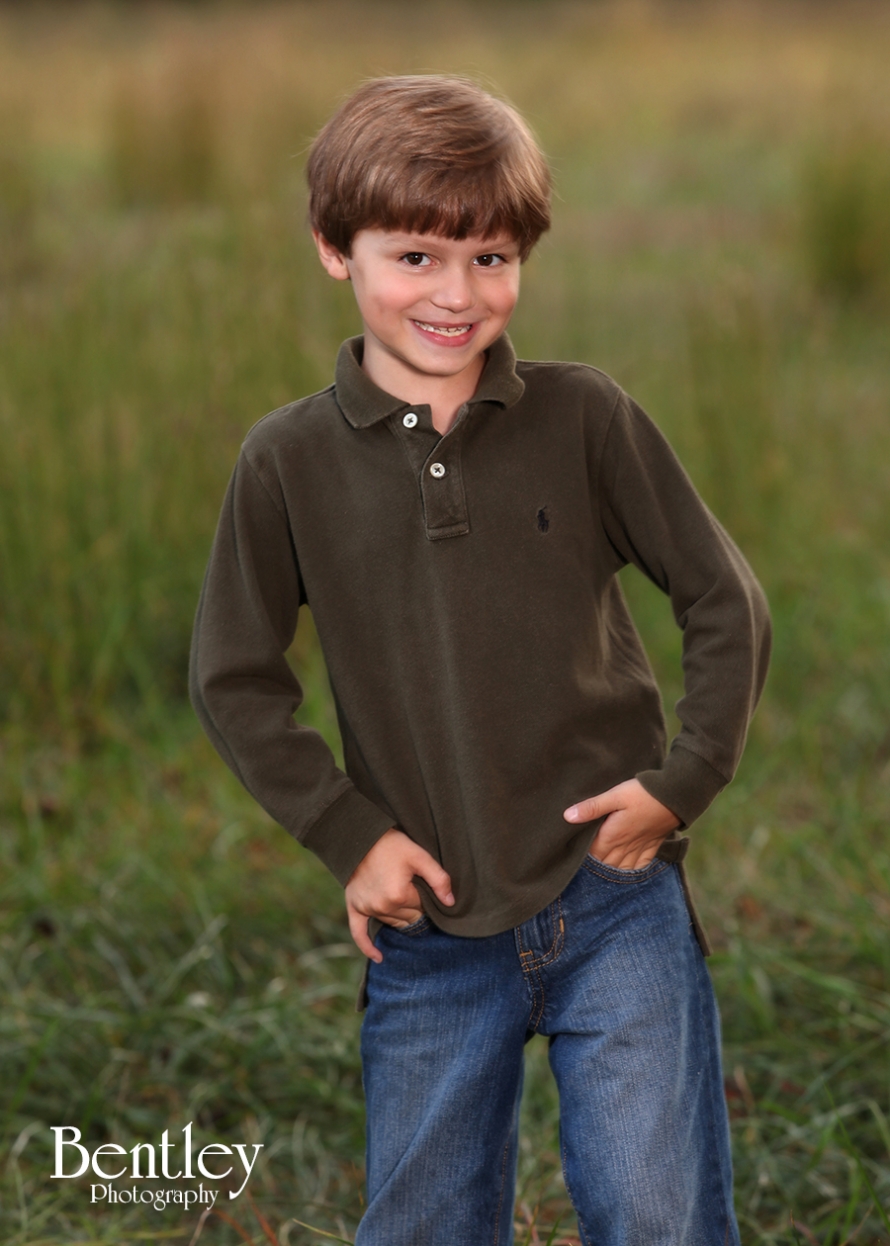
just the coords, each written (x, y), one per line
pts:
(453, 203)
(428, 155)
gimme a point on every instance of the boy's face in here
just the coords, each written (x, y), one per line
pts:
(430, 305)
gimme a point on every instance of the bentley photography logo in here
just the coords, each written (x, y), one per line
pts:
(135, 1175)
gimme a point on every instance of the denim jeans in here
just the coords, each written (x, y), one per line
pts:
(612, 974)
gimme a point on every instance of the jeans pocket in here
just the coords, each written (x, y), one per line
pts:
(615, 875)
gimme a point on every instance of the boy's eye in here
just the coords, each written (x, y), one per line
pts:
(489, 261)
(417, 259)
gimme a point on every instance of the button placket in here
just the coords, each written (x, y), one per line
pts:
(435, 461)
(417, 437)
(442, 486)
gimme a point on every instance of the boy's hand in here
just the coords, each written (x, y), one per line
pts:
(381, 886)
(635, 824)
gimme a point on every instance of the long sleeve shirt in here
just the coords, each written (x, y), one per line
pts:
(484, 665)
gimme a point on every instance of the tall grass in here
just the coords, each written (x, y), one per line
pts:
(163, 150)
(166, 954)
(845, 228)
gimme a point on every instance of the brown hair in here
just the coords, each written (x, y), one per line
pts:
(429, 154)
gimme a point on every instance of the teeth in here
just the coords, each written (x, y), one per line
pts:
(446, 331)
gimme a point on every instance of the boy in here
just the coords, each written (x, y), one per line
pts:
(507, 835)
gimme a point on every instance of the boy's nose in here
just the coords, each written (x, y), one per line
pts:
(453, 293)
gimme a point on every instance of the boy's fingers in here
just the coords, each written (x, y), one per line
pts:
(429, 869)
(358, 928)
(600, 805)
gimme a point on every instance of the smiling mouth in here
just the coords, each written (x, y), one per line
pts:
(451, 330)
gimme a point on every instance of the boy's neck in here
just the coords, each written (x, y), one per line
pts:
(444, 395)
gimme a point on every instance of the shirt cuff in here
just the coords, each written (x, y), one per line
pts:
(686, 784)
(346, 832)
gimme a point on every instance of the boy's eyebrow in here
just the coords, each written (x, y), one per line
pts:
(500, 242)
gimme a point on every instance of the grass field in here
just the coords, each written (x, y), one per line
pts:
(721, 246)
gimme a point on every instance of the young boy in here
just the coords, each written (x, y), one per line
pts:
(507, 827)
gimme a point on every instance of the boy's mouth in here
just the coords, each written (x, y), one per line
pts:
(443, 330)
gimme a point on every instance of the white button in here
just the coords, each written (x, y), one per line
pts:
(437, 470)
(410, 420)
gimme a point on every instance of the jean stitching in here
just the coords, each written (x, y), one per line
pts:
(555, 949)
(554, 952)
(534, 982)
(531, 970)
(416, 927)
(527, 967)
(532, 965)
(712, 1124)
(540, 1012)
(637, 876)
(497, 1223)
(565, 1172)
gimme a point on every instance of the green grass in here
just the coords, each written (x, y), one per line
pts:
(166, 954)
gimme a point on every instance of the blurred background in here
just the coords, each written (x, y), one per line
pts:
(721, 246)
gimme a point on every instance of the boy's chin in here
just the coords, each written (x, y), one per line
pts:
(454, 365)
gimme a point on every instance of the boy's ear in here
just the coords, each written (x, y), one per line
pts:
(334, 261)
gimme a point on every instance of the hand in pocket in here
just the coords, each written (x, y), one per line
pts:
(634, 825)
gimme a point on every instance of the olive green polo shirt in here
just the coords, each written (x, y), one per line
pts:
(484, 665)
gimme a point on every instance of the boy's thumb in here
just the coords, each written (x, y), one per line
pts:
(586, 810)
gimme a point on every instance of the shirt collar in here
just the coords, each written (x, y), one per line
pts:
(363, 403)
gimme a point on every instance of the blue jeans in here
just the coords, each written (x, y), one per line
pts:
(611, 972)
